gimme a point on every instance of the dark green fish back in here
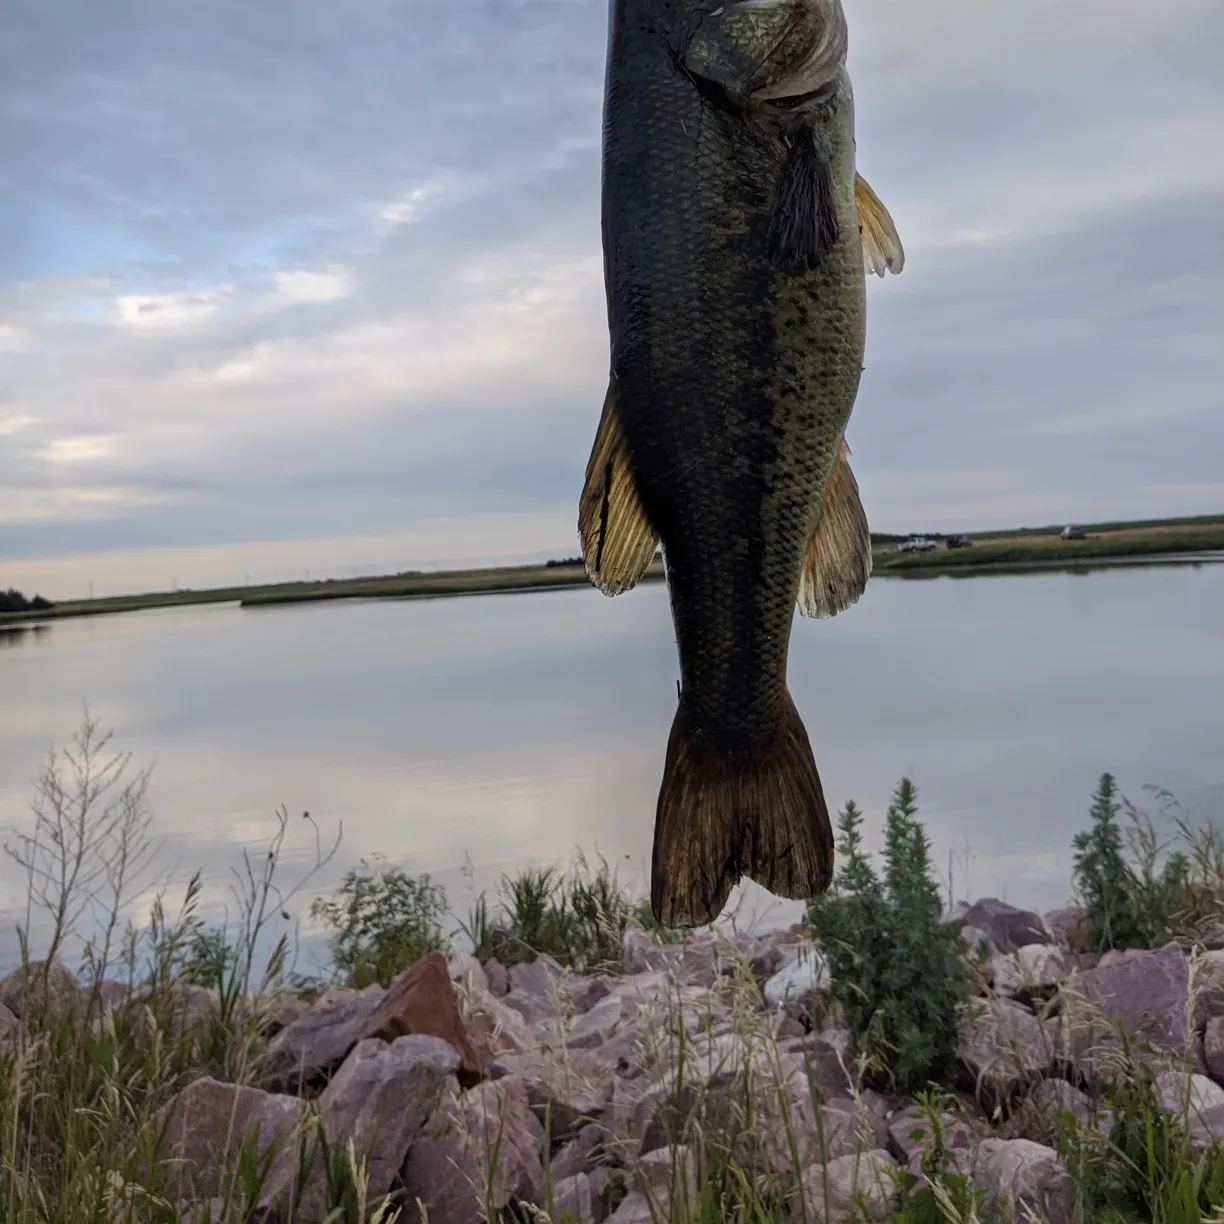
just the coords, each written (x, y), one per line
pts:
(734, 377)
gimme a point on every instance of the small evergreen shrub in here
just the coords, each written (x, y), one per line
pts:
(1133, 895)
(898, 969)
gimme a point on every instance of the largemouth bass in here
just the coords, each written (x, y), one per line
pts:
(737, 234)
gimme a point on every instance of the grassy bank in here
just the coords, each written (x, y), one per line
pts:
(1036, 551)
(1026, 550)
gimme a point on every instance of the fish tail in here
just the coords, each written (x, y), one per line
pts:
(725, 814)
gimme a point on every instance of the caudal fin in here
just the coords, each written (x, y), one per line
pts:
(724, 815)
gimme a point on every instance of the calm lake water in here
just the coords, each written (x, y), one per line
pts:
(512, 729)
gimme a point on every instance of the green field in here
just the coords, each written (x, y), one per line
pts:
(1028, 549)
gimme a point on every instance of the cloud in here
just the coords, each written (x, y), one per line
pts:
(339, 277)
(302, 285)
(167, 310)
(79, 449)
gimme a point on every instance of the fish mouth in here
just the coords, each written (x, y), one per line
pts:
(799, 101)
(782, 52)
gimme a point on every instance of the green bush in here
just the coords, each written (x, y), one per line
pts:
(898, 970)
(382, 920)
(1132, 893)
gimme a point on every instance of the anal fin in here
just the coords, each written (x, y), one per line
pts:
(618, 542)
(882, 250)
(837, 562)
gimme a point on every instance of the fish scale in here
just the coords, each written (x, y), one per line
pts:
(734, 274)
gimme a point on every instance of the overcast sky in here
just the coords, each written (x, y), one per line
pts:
(317, 285)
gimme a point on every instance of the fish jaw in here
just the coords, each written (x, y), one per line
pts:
(762, 51)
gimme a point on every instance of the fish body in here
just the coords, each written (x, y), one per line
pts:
(735, 281)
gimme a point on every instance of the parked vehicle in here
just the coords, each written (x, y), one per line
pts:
(960, 541)
(1073, 533)
(916, 544)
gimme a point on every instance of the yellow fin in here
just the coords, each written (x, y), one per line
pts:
(837, 562)
(618, 542)
(882, 250)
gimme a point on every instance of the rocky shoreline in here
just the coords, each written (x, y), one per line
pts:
(469, 1087)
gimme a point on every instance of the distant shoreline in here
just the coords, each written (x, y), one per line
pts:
(1188, 541)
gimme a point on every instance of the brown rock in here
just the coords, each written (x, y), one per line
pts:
(826, 1061)
(977, 942)
(584, 993)
(1146, 992)
(112, 994)
(661, 1115)
(207, 1123)
(495, 1029)
(497, 977)
(278, 1011)
(1213, 1048)
(635, 1208)
(333, 996)
(1033, 972)
(596, 1026)
(573, 1201)
(1196, 1101)
(665, 1174)
(478, 1152)
(643, 955)
(467, 973)
(1009, 928)
(1068, 926)
(10, 1026)
(1004, 1048)
(541, 978)
(40, 983)
(580, 1155)
(314, 1045)
(1038, 1114)
(566, 1092)
(1209, 988)
(1030, 1177)
(380, 1100)
(422, 1001)
(767, 961)
(860, 1185)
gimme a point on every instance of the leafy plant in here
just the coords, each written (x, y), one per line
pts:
(898, 970)
(382, 921)
(1147, 1167)
(941, 1194)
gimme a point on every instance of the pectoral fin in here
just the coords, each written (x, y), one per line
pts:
(618, 542)
(803, 227)
(837, 562)
(882, 250)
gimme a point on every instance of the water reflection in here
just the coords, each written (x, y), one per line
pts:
(515, 728)
(19, 635)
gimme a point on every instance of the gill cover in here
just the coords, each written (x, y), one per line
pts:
(765, 50)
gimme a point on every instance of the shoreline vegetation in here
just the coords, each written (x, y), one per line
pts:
(1188, 541)
(898, 1057)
